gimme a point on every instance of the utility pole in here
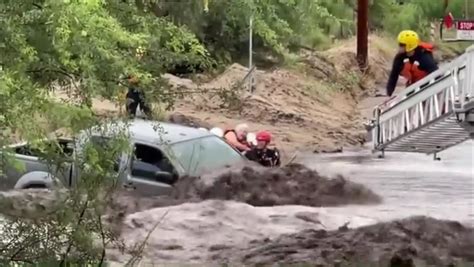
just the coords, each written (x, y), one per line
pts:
(362, 32)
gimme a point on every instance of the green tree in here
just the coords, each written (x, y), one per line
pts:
(84, 45)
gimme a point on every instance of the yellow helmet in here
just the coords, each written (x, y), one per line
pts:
(410, 39)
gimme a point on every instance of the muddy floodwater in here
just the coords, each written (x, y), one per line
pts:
(410, 184)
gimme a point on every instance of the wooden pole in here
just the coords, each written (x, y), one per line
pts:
(362, 33)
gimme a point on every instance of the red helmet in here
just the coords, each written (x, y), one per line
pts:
(264, 136)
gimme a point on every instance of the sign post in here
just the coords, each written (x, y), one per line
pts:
(463, 30)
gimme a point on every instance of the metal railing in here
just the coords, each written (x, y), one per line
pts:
(437, 96)
(249, 80)
(468, 88)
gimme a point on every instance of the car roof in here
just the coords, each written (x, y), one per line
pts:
(153, 131)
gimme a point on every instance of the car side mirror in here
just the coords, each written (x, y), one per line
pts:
(164, 177)
(151, 172)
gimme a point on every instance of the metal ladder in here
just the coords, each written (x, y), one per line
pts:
(431, 115)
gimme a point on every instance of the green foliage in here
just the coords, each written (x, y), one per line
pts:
(277, 25)
(83, 46)
(409, 17)
(73, 229)
(89, 43)
(414, 14)
(281, 25)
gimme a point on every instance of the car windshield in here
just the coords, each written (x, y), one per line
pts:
(205, 154)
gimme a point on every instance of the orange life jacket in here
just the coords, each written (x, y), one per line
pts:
(410, 71)
(226, 130)
(427, 46)
(244, 142)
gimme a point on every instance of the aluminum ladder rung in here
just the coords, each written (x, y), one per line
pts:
(427, 147)
(432, 137)
(430, 115)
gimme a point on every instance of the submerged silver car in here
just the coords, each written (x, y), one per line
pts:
(162, 153)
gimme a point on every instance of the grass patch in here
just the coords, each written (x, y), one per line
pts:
(292, 61)
(385, 44)
(320, 90)
(346, 81)
(451, 50)
(158, 112)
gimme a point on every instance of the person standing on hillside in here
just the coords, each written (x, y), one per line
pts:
(414, 61)
(136, 97)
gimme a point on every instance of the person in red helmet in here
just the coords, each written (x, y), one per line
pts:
(261, 153)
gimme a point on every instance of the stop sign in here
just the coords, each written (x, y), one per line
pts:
(465, 29)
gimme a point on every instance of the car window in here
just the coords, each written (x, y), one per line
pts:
(148, 160)
(59, 148)
(208, 153)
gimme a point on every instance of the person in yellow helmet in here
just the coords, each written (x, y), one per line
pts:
(414, 60)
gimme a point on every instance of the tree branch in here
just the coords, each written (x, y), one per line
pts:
(79, 221)
(104, 243)
(139, 252)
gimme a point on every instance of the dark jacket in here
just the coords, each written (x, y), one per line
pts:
(136, 97)
(266, 157)
(413, 68)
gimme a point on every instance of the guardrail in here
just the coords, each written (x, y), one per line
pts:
(248, 79)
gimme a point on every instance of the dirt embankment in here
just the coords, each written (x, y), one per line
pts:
(417, 241)
(311, 105)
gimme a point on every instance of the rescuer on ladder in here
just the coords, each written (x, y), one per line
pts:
(414, 61)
